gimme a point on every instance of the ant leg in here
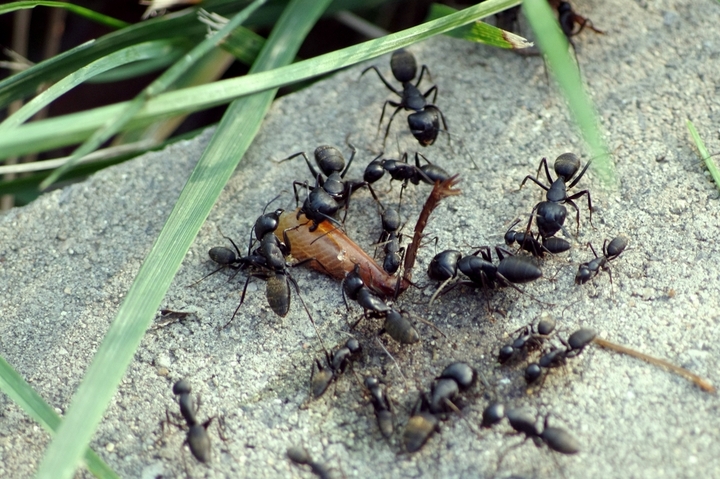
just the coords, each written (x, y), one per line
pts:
(424, 70)
(578, 195)
(382, 78)
(297, 290)
(295, 155)
(387, 130)
(543, 162)
(434, 91)
(242, 300)
(534, 180)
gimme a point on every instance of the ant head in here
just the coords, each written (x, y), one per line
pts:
(566, 166)
(403, 65)
(182, 387)
(329, 159)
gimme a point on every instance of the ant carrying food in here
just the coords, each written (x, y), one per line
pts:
(425, 120)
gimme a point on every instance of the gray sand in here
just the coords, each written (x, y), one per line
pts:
(69, 258)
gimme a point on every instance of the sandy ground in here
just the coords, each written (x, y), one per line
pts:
(68, 259)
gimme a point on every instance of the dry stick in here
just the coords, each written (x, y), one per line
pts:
(703, 383)
(442, 189)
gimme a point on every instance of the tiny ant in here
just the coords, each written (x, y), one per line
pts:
(300, 456)
(527, 242)
(610, 251)
(568, 19)
(391, 239)
(576, 344)
(381, 406)
(551, 214)
(425, 121)
(337, 363)
(197, 437)
(557, 439)
(529, 339)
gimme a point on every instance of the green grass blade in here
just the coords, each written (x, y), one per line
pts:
(480, 32)
(127, 55)
(76, 9)
(159, 85)
(555, 48)
(704, 154)
(69, 129)
(234, 135)
(17, 389)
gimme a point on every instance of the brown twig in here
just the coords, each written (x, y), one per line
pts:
(442, 189)
(704, 384)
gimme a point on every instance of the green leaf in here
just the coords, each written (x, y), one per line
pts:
(142, 51)
(162, 83)
(70, 129)
(232, 138)
(555, 48)
(704, 154)
(17, 389)
(479, 32)
(78, 10)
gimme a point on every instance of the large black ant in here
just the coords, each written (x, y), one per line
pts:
(401, 170)
(425, 121)
(576, 344)
(197, 437)
(330, 192)
(550, 215)
(610, 251)
(481, 271)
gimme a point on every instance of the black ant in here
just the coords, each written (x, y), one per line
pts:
(330, 192)
(425, 121)
(430, 409)
(481, 271)
(300, 456)
(530, 338)
(381, 406)
(197, 437)
(532, 244)
(610, 251)
(557, 439)
(568, 19)
(337, 363)
(390, 238)
(576, 344)
(550, 215)
(401, 170)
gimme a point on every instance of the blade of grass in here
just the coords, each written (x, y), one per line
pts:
(555, 48)
(232, 138)
(76, 9)
(480, 32)
(159, 85)
(704, 154)
(17, 389)
(69, 129)
(135, 53)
